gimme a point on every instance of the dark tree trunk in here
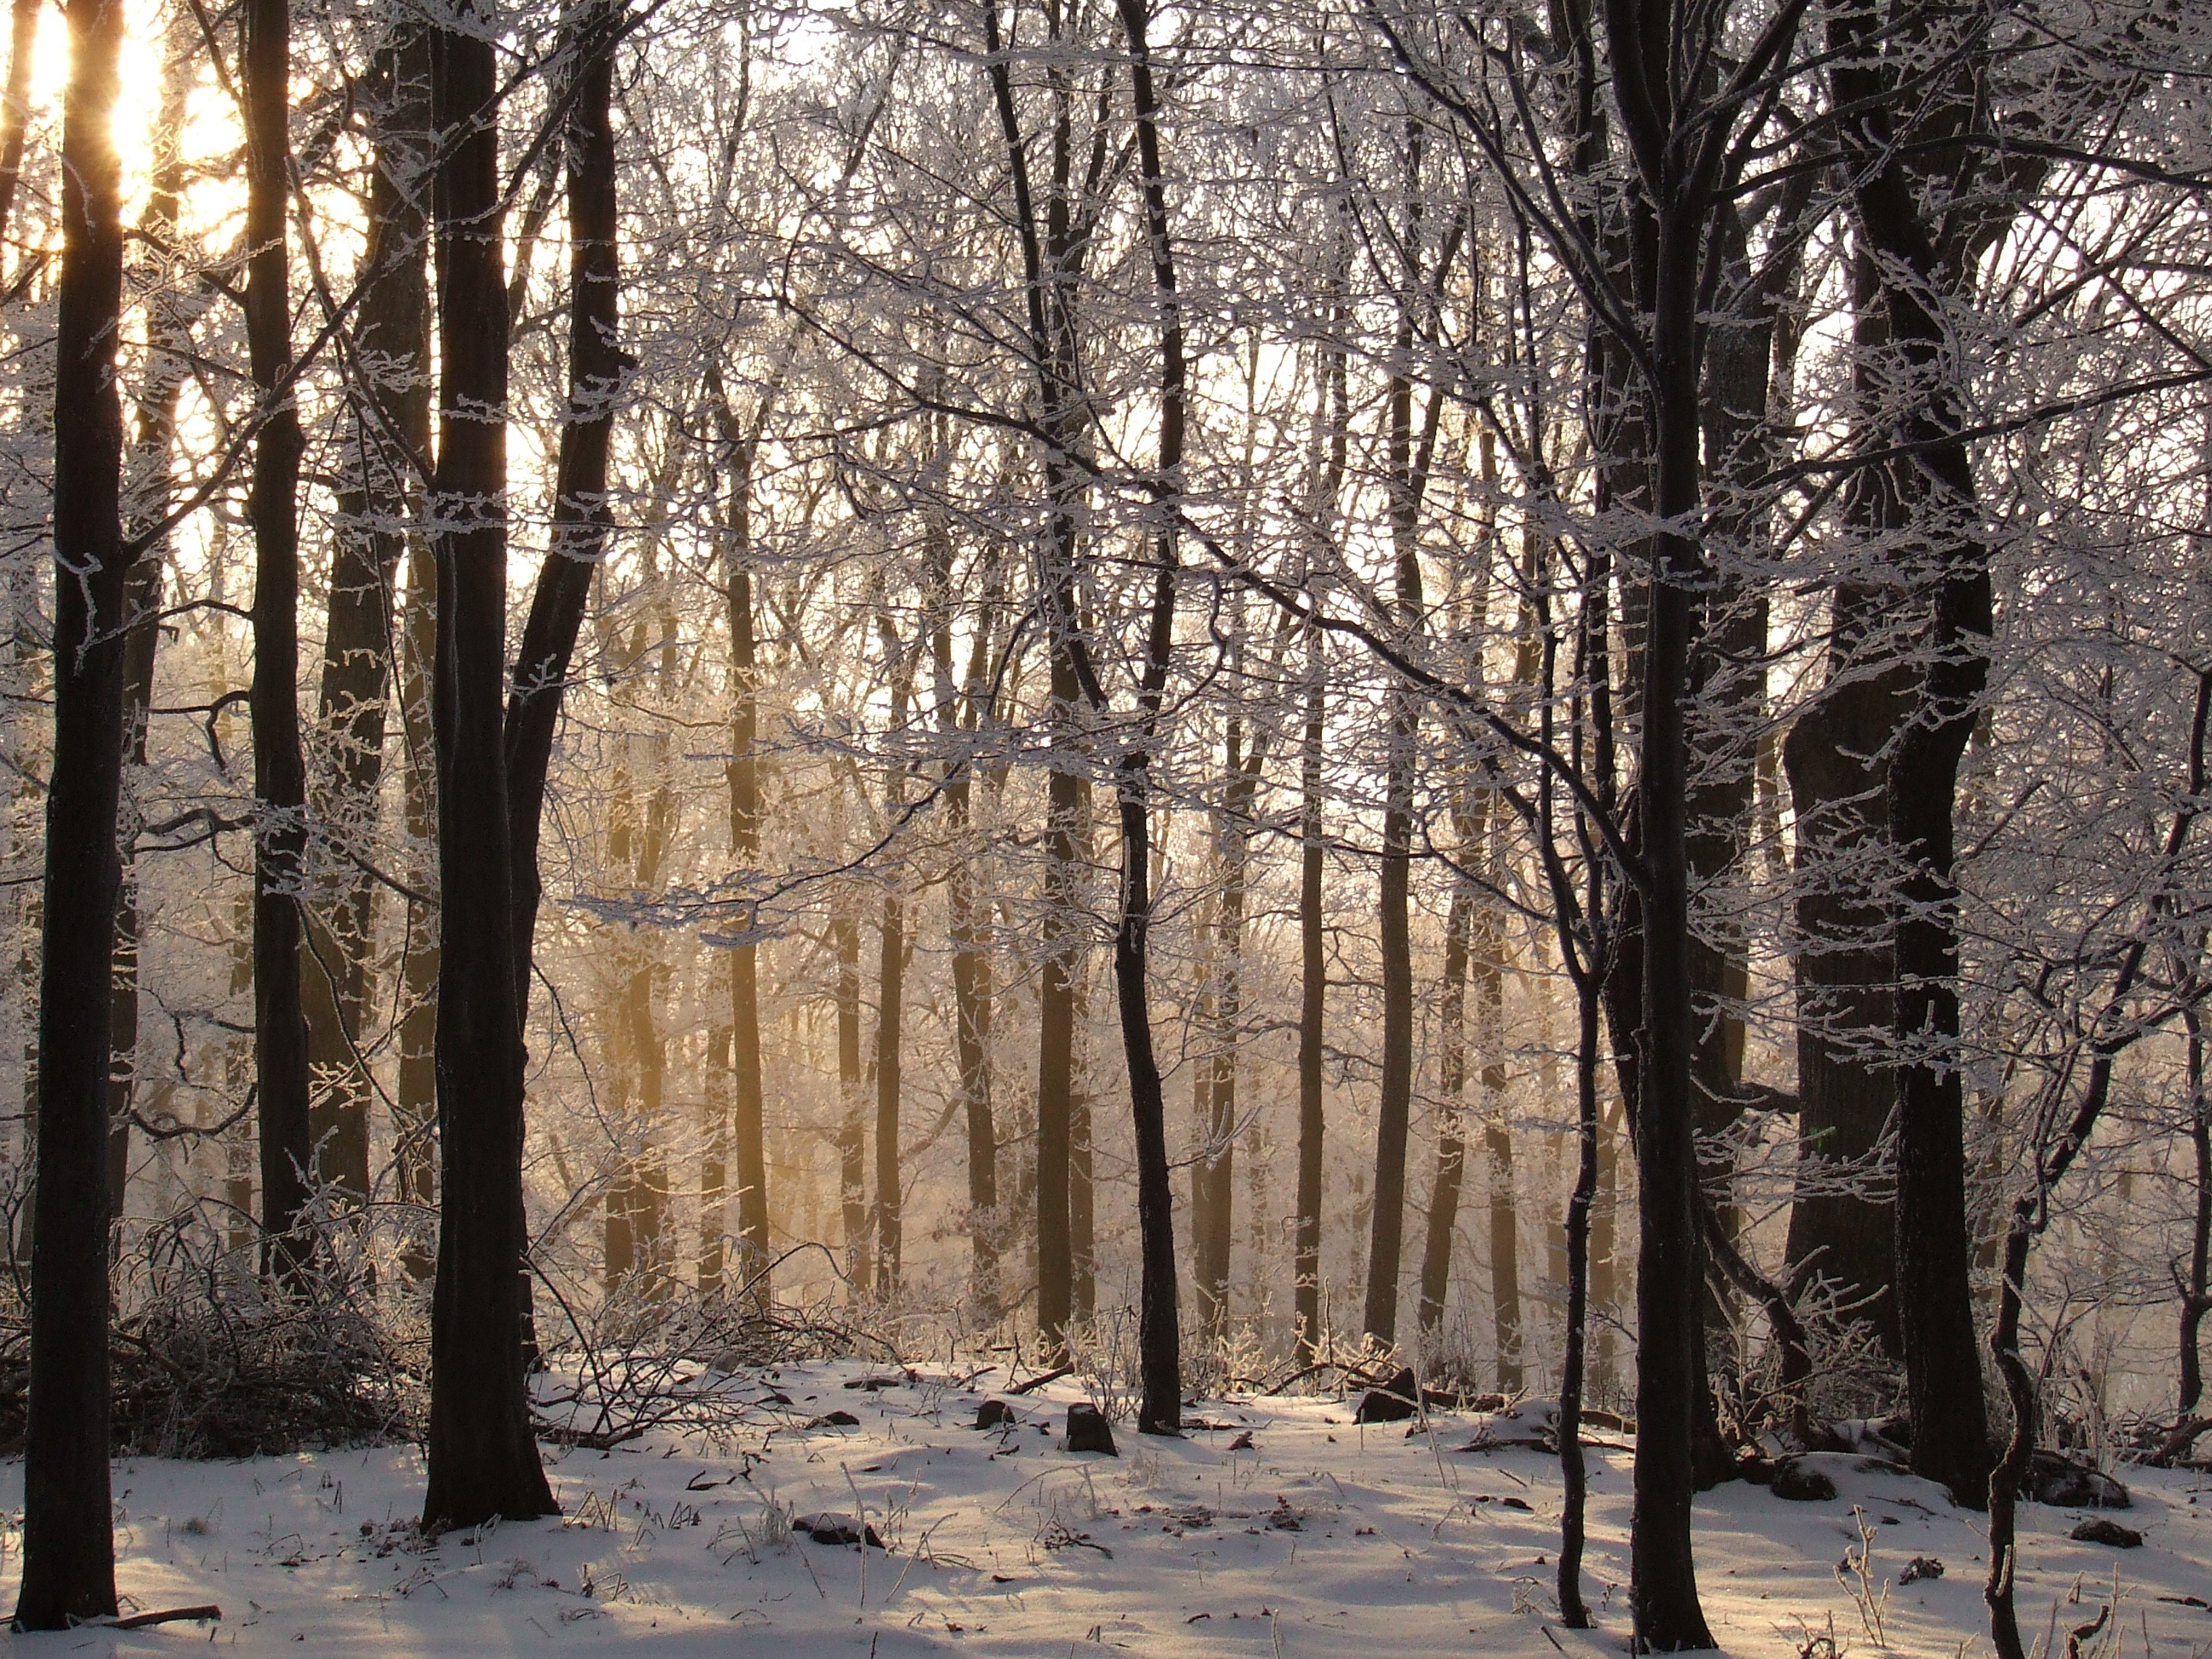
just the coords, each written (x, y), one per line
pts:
(1489, 975)
(1574, 1613)
(280, 778)
(1935, 1313)
(68, 1549)
(1335, 419)
(582, 518)
(1062, 938)
(1837, 759)
(583, 515)
(1158, 1334)
(1394, 1106)
(483, 1457)
(1313, 996)
(390, 439)
(2195, 1303)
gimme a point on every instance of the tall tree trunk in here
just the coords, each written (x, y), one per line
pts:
(483, 1456)
(890, 1017)
(1214, 1174)
(583, 513)
(852, 1132)
(714, 1162)
(415, 1096)
(1935, 1314)
(1451, 1144)
(1082, 1184)
(1837, 756)
(744, 778)
(583, 516)
(1410, 447)
(2196, 1289)
(1334, 418)
(69, 1547)
(1158, 1332)
(390, 438)
(1488, 972)
(959, 714)
(280, 779)
(149, 493)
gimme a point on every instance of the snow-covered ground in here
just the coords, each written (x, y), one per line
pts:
(1319, 1538)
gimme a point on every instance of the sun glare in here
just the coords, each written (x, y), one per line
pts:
(137, 105)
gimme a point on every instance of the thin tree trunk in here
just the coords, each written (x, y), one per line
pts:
(148, 494)
(415, 1098)
(1410, 448)
(482, 1456)
(743, 777)
(1313, 959)
(1082, 1187)
(1218, 1170)
(280, 779)
(1505, 1215)
(15, 110)
(958, 718)
(68, 1549)
(852, 1133)
(390, 439)
(890, 1015)
(1158, 1334)
(2195, 1303)
(583, 516)
(1451, 1146)
(714, 1162)
(1574, 1613)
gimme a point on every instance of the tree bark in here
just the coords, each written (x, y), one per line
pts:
(2195, 1303)
(280, 778)
(389, 442)
(1451, 1144)
(744, 778)
(148, 495)
(68, 1550)
(959, 714)
(483, 1456)
(1837, 757)
(852, 1132)
(1935, 1313)
(890, 1017)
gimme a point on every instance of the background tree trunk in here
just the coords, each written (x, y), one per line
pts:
(390, 439)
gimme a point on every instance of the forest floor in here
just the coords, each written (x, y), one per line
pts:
(1316, 1538)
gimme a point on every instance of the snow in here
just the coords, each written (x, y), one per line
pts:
(1320, 1540)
